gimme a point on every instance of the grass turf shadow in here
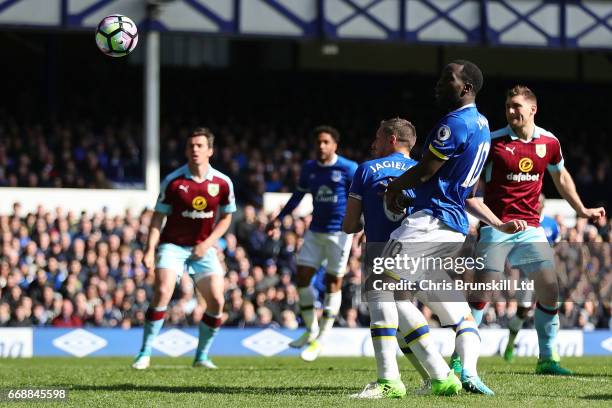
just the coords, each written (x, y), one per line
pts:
(211, 389)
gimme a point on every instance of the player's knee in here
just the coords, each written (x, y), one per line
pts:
(164, 292)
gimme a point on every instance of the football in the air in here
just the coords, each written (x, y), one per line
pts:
(116, 35)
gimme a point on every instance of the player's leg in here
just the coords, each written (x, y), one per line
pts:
(420, 238)
(337, 251)
(211, 288)
(516, 323)
(331, 307)
(336, 248)
(536, 258)
(425, 387)
(165, 281)
(546, 318)
(415, 328)
(309, 259)
(457, 316)
(331, 303)
(207, 274)
(303, 278)
(170, 265)
(493, 249)
(383, 329)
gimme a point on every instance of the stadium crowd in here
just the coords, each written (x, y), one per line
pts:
(70, 270)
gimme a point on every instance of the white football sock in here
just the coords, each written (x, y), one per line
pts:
(331, 307)
(307, 309)
(467, 345)
(383, 328)
(411, 357)
(413, 324)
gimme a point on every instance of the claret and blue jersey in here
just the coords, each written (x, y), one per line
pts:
(329, 185)
(369, 184)
(463, 139)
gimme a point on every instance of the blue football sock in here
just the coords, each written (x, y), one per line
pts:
(478, 312)
(153, 324)
(209, 327)
(547, 326)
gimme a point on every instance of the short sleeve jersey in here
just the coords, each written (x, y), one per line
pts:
(369, 184)
(329, 186)
(514, 173)
(191, 207)
(462, 139)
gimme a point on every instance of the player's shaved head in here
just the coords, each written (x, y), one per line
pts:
(524, 91)
(470, 74)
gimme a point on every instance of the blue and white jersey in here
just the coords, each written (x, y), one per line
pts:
(329, 185)
(462, 138)
(369, 184)
(550, 228)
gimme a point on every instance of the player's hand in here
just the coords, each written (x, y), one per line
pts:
(512, 227)
(272, 225)
(149, 259)
(593, 213)
(393, 199)
(200, 250)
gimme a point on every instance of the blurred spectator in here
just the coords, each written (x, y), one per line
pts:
(67, 318)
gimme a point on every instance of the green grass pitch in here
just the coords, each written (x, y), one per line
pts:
(289, 382)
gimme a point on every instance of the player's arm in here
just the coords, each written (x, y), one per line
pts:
(294, 201)
(153, 238)
(163, 208)
(483, 213)
(352, 219)
(412, 178)
(291, 205)
(223, 224)
(566, 187)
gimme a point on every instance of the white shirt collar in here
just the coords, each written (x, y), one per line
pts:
(331, 163)
(209, 174)
(513, 136)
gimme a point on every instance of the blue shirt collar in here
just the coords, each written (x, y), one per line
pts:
(209, 174)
